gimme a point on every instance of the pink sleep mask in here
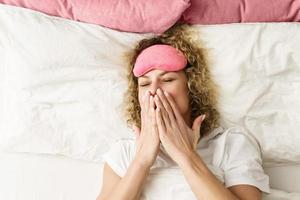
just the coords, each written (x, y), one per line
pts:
(159, 56)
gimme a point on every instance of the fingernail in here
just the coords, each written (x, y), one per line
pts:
(203, 117)
(166, 93)
(158, 91)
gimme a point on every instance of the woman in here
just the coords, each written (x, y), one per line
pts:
(181, 151)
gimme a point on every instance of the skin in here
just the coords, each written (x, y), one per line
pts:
(165, 119)
(175, 83)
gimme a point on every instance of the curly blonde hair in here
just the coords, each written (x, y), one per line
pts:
(202, 90)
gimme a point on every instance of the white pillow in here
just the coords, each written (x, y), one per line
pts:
(257, 67)
(63, 84)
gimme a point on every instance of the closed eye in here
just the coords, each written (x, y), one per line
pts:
(144, 85)
(165, 80)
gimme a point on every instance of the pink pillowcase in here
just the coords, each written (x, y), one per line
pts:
(141, 16)
(234, 11)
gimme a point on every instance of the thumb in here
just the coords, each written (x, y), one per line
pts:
(137, 131)
(197, 124)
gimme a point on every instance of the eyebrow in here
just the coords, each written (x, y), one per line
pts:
(162, 73)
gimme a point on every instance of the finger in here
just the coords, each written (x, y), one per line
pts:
(151, 104)
(162, 110)
(152, 115)
(144, 107)
(147, 101)
(199, 129)
(166, 105)
(174, 108)
(197, 123)
(160, 124)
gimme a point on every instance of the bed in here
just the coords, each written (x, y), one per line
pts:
(48, 177)
(61, 84)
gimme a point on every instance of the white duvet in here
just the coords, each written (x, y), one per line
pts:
(48, 177)
(62, 81)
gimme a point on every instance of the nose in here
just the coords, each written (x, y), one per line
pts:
(153, 88)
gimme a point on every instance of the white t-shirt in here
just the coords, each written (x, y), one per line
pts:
(232, 155)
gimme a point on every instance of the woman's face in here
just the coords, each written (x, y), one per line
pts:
(175, 83)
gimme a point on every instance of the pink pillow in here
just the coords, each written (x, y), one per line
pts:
(141, 16)
(233, 11)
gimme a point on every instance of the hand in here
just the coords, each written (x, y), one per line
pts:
(147, 139)
(177, 138)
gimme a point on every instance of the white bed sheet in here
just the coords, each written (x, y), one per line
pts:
(26, 176)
